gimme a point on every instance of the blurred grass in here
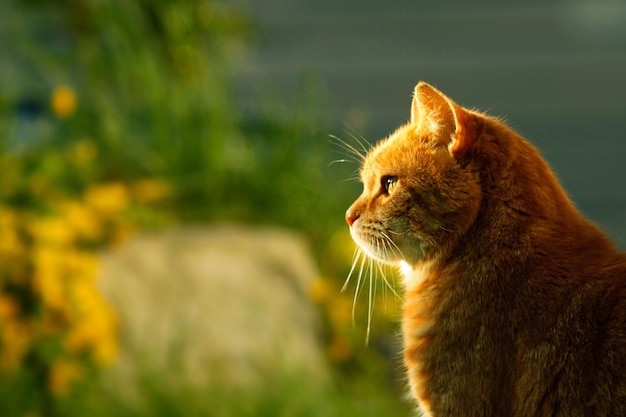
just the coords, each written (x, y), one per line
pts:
(133, 99)
(287, 398)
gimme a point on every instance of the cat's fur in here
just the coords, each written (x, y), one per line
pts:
(515, 305)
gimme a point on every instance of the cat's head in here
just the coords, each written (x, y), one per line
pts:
(420, 194)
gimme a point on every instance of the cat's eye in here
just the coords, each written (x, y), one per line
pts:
(388, 183)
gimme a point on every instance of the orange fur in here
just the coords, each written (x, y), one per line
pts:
(515, 305)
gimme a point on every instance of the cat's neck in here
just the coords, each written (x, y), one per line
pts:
(524, 213)
(413, 276)
(523, 202)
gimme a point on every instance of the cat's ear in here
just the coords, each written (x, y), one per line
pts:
(433, 111)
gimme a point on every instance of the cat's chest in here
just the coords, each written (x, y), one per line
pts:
(444, 345)
(420, 300)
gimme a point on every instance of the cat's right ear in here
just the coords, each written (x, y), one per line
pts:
(431, 110)
(434, 111)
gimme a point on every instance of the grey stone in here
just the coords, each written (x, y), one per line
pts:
(225, 305)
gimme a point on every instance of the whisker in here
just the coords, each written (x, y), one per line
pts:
(359, 287)
(350, 149)
(356, 177)
(360, 140)
(385, 281)
(367, 268)
(355, 259)
(371, 300)
(351, 179)
(393, 245)
(387, 285)
(339, 161)
(349, 156)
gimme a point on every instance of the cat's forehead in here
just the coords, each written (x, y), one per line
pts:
(377, 157)
(389, 152)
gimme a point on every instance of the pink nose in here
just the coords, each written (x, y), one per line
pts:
(351, 216)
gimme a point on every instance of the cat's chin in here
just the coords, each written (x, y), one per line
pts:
(378, 254)
(379, 258)
(385, 251)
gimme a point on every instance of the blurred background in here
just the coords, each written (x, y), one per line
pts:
(172, 238)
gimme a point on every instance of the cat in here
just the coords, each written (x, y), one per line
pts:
(514, 304)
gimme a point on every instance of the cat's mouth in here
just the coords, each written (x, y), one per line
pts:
(377, 244)
(387, 245)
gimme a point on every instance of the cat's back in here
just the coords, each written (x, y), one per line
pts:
(568, 317)
(532, 284)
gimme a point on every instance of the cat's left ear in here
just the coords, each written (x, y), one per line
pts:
(433, 110)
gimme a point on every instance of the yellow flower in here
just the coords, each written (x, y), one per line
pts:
(81, 265)
(64, 373)
(121, 233)
(8, 308)
(49, 277)
(46, 256)
(150, 190)
(8, 218)
(15, 339)
(63, 101)
(106, 352)
(95, 328)
(108, 199)
(83, 220)
(10, 242)
(95, 333)
(13, 246)
(53, 231)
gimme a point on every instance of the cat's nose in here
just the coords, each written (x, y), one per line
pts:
(351, 216)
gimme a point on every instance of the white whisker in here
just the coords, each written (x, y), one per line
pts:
(371, 300)
(354, 178)
(339, 161)
(369, 268)
(394, 248)
(355, 259)
(350, 149)
(359, 287)
(386, 282)
(361, 141)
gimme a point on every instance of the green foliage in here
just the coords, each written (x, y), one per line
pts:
(152, 86)
(126, 107)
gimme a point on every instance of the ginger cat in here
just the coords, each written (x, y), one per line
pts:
(515, 305)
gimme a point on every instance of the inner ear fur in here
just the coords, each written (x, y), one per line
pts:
(434, 111)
